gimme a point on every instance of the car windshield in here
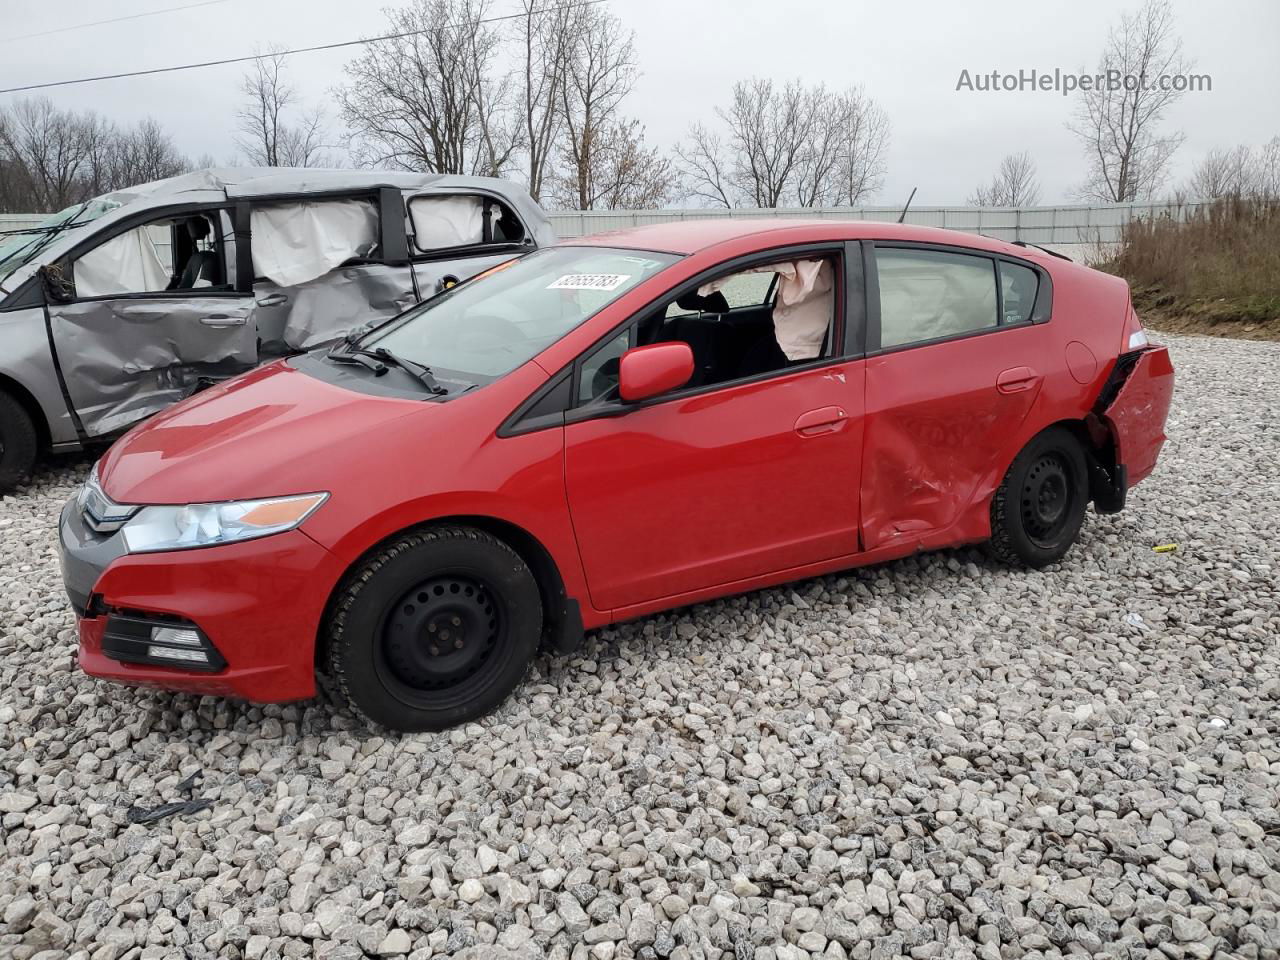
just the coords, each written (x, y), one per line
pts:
(484, 329)
(18, 247)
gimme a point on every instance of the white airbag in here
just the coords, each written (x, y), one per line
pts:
(297, 242)
(802, 306)
(440, 222)
(128, 263)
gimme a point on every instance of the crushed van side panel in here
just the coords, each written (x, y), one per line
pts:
(324, 309)
(1137, 415)
(124, 360)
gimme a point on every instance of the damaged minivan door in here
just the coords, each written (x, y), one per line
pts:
(148, 313)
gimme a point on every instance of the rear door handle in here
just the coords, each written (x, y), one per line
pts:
(822, 421)
(1017, 379)
(273, 300)
(222, 320)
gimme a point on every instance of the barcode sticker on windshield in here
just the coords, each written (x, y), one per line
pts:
(590, 281)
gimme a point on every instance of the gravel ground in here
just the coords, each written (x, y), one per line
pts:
(938, 757)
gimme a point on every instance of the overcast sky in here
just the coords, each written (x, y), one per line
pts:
(908, 56)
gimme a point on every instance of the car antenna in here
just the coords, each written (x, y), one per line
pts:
(903, 215)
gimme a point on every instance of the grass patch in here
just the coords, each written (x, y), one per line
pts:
(1216, 273)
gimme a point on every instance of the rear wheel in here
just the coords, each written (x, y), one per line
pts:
(435, 629)
(19, 443)
(1037, 512)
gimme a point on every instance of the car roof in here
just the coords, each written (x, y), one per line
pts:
(694, 236)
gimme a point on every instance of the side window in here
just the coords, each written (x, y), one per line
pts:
(792, 324)
(461, 220)
(927, 294)
(179, 254)
(294, 243)
(599, 374)
(1018, 287)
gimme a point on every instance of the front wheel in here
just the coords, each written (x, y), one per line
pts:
(19, 443)
(1037, 512)
(433, 630)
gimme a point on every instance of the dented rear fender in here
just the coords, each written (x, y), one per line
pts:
(1137, 412)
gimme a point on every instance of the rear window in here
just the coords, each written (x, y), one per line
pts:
(929, 294)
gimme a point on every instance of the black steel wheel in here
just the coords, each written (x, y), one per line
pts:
(1037, 512)
(434, 630)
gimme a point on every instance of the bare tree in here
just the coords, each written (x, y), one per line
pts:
(545, 36)
(705, 168)
(599, 72)
(1119, 123)
(790, 145)
(424, 100)
(267, 138)
(52, 147)
(624, 174)
(1239, 172)
(1014, 184)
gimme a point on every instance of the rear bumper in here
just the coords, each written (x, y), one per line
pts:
(259, 603)
(1136, 415)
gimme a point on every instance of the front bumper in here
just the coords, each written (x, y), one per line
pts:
(259, 603)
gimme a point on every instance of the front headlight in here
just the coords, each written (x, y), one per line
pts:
(207, 524)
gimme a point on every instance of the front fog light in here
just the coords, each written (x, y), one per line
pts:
(177, 635)
(176, 653)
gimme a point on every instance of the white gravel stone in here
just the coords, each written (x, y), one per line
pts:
(939, 757)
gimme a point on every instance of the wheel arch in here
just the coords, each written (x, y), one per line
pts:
(562, 628)
(1106, 480)
(26, 399)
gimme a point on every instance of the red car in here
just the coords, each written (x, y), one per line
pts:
(614, 426)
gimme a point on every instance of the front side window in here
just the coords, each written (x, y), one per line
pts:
(172, 254)
(484, 329)
(743, 324)
(928, 294)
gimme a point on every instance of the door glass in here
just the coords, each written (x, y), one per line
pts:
(1018, 285)
(926, 294)
(171, 254)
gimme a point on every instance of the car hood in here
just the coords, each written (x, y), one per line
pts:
(271, 432)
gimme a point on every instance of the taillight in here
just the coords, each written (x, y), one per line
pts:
(1135, 338)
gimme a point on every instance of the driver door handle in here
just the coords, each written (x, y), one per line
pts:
(824, 420)
(223, 320)
(273, 300)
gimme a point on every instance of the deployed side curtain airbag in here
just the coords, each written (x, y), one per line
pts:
(297, 242)
(440, 222)
(802, 307)
(128, 263)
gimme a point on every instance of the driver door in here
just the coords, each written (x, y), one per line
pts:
(148, 314)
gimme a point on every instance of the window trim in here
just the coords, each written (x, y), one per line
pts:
(417, 255)
(849, 326)
(141, 219)
(1041, 310)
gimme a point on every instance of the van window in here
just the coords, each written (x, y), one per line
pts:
(294, 243)
(461, 220)
(928, 294)
(171, 254)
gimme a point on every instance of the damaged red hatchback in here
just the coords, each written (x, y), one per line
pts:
(600, 430)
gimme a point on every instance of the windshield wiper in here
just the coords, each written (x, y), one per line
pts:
(360, 360)
(382, 356)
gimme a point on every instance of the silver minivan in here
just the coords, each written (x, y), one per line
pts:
(117, 307)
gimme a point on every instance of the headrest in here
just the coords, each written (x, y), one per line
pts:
(197, 228)
(713, 302)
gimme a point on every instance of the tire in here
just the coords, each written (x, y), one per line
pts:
(19, 443)
(1037, 512)
(433, 630)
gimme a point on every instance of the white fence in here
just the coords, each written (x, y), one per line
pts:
(1050, 226)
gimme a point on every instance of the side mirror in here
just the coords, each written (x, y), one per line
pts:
(656, 369)
(56, 285)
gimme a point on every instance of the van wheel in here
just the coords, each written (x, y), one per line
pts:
(434, 629)
(18, 443)
(1037, 512)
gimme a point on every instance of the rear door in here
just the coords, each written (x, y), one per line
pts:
(955, 361)
(149, 312)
